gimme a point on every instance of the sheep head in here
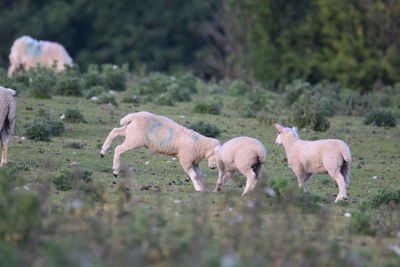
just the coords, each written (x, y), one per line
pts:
(213, 158)
(285, 133)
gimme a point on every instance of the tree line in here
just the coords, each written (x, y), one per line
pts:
(354, 42)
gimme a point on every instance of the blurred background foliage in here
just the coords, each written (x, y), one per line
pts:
(353, 42)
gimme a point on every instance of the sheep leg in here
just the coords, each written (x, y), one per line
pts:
(112, 135)
(302, 179)
(4, 154)
(11, 70)
(338, 177)
(193, 170)
(220, 182)
(251, 181)
(125, 146)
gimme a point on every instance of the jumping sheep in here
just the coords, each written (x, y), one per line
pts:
(306, 158)
(7, 119)
(162, 135)
(244, 154)
(27, 53)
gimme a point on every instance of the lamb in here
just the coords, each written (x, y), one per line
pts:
(27, 53)
(244, 154)
(162, 135)
(306, 158)
(7, 119)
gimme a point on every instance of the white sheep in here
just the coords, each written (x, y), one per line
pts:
(162, 135)
(7, 119)
(27, 53)
(244, 154)
(306, 158)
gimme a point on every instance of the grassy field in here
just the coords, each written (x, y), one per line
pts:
(153, 216)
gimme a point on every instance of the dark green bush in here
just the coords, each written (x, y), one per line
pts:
(43, 127)
(107, 99)
(43, 81)
(295, 89)
(207, 107)
(361, 221)
(74, 145)
(238, 88)
(164, 89)
(95, 91)
(74, 116)
(92, 77)
(355, 103)
(206, 129)
(134, 99)
(380, 118)
(280, 186)
(68, 86)
(385, 197)
(252, 103)
(305, 114)
(65, 178)
(114, 77)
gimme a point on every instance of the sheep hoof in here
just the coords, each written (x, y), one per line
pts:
(115, 175)
(101, 155)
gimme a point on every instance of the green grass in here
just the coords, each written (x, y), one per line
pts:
(161, 220)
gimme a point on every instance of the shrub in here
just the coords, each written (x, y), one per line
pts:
(95, 91)
(361, 221)
(380, 118)
(74, 116)
(206, 129)
(238, 88)
(280, 186)
(295, 89)
(65, 178)
(163, 89)
(43, 127)
(68, 86)
(92, 77)
(385, 197)
(43, 81)
(114, 77)
(355, 104)
(134, 99)
(252, 103)
(107, 99)
(305, 114)
(74, 145)
(211, 107)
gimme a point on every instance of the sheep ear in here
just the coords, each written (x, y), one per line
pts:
(279, 127)
(295, 129)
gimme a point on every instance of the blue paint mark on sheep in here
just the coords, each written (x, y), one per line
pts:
(153, 134)
(33, 48)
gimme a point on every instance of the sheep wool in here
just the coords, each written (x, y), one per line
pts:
(244, 154)
(162, 135)
(27, 53)
(8, 109)
(306, 158)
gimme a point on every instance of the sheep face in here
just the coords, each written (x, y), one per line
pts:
(284, 133)
(213, 158)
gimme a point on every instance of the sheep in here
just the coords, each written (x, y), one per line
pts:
(306, 158)
(7, 119)
(244, 154)
(27, 53)
(162, 135)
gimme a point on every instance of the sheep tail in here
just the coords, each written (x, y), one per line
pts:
(127, 119)
(345, 169)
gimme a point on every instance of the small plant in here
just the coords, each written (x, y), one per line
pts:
(43, 127)
(114, 77)
(206, 129)
(361, 222)
(65, 178)
(74, 116)
(43, 81)
(385, 197)
(75, 145)
(211, 107)
(305, 114)
(280, 186)
(380, 118)
(238, 88)
(294, 90)
(107, 99)
(95, 91)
